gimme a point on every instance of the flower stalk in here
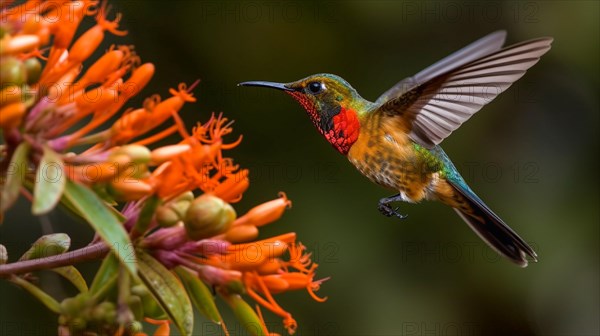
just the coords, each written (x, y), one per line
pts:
(91, 252)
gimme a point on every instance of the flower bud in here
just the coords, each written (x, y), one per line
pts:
(12, 72)
(74, 306)
(187, 196)
(166, 217)
(135, 328)
(241, 233)
(33, 69)
(174, 211)
(266, 213)
(105, 312)
(136, 153)
(129, 190)
(48, 245)
(208, 216)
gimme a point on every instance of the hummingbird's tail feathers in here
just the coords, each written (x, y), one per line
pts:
(492, 229)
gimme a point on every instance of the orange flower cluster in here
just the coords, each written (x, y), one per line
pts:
(260, 265)
(64, 96)
(233, 259)
(49, 101)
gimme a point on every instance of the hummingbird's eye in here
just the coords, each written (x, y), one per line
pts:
(315, 87)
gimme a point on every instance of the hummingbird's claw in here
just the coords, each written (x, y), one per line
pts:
(399, 215)
(387, 210)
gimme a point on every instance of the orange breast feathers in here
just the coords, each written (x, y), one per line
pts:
(345, 130)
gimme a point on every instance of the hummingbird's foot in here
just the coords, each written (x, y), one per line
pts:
(385, 208)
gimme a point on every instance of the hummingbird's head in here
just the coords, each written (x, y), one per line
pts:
(331, 103)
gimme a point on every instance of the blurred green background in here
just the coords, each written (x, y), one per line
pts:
(532, 155)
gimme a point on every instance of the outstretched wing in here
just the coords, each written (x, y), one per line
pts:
(480, 48)
(437, 100)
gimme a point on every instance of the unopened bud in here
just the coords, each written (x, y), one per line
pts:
(166, 217)
(73, 306)
(105, 312)
(174, 211)
(208, 216)
(241, 233)
(265, 213)
(135, 328)
(12, 72)
(48, 245)
(33, 69)
(129, 189)
(136, 153)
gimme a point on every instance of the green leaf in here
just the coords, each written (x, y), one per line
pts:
(168, 292)
(106, 288)
(72, 274)
(48, 245)
(245, 314)
(50, 182)
(108, 268)
(39, 294)
(100, 190)
(102, 219)
(15, 175)
(200, 294)
(55, 244)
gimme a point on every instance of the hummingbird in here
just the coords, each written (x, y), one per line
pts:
(394, 141)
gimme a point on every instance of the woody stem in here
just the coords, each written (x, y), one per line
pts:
(90, 252)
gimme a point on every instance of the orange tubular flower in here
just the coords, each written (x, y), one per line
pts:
(202, 165)
(176, 198)
(83, 48)
(281, 279)
(266, 212)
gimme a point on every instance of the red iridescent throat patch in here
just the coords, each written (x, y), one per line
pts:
(341, 130)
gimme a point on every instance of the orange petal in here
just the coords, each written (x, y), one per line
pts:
(241, 233)
(11, 115)
(103, 67)
(19, 44)
(233, 187)
(85, 45)
(163, 329)
(138, 80)
(129, 189)
(10, 94)
(165, 153)
(265, 213)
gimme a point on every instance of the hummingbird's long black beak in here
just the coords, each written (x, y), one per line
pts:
(272, 85)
